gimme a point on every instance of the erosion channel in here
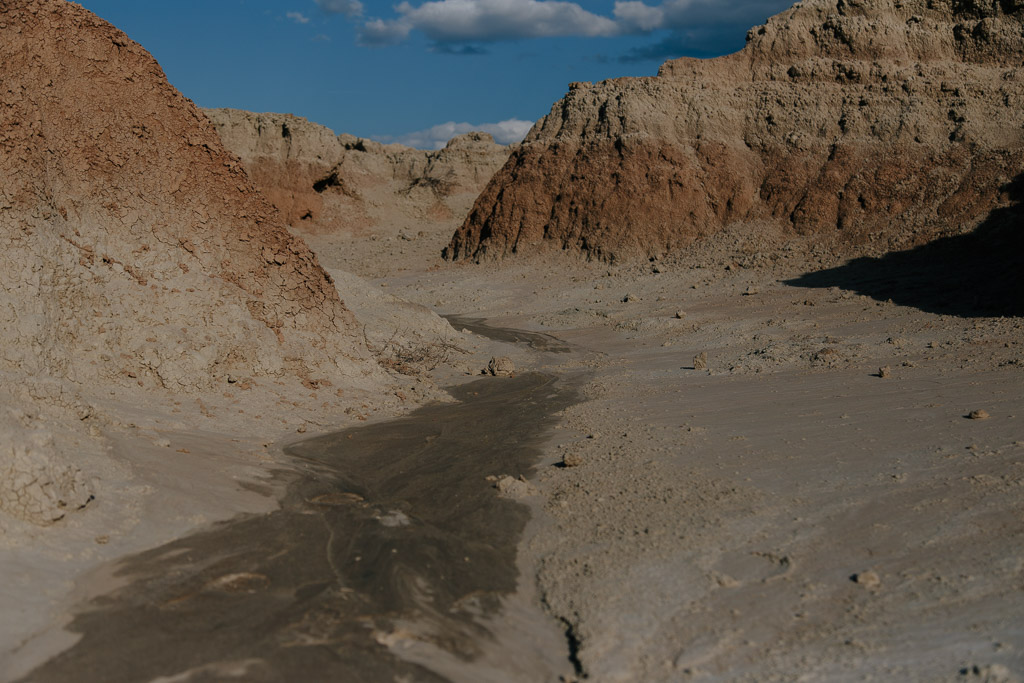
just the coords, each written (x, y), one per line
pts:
(390, 539)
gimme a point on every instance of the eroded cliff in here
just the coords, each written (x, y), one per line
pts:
(324, 182)
(867, 124)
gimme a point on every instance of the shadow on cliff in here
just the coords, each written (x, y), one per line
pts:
(977, 274)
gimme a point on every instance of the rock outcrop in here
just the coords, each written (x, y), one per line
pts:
(866, 124)
(137, 252)
(320, 181)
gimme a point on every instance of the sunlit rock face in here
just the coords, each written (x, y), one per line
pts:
(856, 122)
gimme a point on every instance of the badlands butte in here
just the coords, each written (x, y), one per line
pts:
(782, 287)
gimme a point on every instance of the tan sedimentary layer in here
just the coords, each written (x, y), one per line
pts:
(137, 249)
(319, 180)
(863, 122)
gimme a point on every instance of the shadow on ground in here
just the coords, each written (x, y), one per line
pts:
(978, 274)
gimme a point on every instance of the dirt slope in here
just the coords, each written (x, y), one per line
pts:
(871, 122)
(139, 262)
(137, 248)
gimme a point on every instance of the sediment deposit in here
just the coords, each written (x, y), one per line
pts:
(867, 125)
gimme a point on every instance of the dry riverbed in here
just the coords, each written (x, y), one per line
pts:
(768, 476)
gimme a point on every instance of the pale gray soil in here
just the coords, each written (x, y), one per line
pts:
(785, 514)
(788, 513)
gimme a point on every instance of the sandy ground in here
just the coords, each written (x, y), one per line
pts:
(815, 504)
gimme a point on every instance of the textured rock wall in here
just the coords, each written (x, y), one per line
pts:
(318, 179)
(869, 124)
(136, 249)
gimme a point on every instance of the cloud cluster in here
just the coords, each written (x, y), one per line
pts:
(436, 137)
(298, 17)
(461, 21)
(451, 23)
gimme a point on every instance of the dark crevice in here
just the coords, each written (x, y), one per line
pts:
(332, 180)
(574, 649)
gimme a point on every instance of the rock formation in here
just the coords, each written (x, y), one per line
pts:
(322, 181)
(866, 124)
(137, 250)
(138, 257)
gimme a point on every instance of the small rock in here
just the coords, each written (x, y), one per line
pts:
(628, 298)
(680, 315)
(992, 673)
(301, 429)
(868, 579)
(980, 414)
(750, 291)
(885, 372)
(572, 459)
(162, 443)
(514, 488)
(501, 366)
(700, 361)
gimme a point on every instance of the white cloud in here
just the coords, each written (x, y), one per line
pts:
(298, 17)
(448, 22)
(638, 17)
(350, 8)
(454, 21)
(436, 137)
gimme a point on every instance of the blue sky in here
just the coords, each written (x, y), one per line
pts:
(417, 71)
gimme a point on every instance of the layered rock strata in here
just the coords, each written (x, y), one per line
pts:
(857, 122)
(319, 180)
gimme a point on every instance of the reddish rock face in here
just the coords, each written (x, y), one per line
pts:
(324, 182)
(862, 122)
(136, 247)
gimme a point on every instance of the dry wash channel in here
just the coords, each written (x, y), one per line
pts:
(389, 536)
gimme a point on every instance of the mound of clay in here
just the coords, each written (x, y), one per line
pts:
(882, 122)
(318, 179)
(136, 249)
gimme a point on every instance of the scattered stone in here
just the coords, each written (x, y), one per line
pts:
(572, 459)
(301, 429)
(885, 372)
(868, 579)
(992, 673)
(629, 298)
(501, 366)
(750, 291)
(162, 443)
(680, 315)
(515, 488)
(700, 361)
(394, 518)
(980, 414)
